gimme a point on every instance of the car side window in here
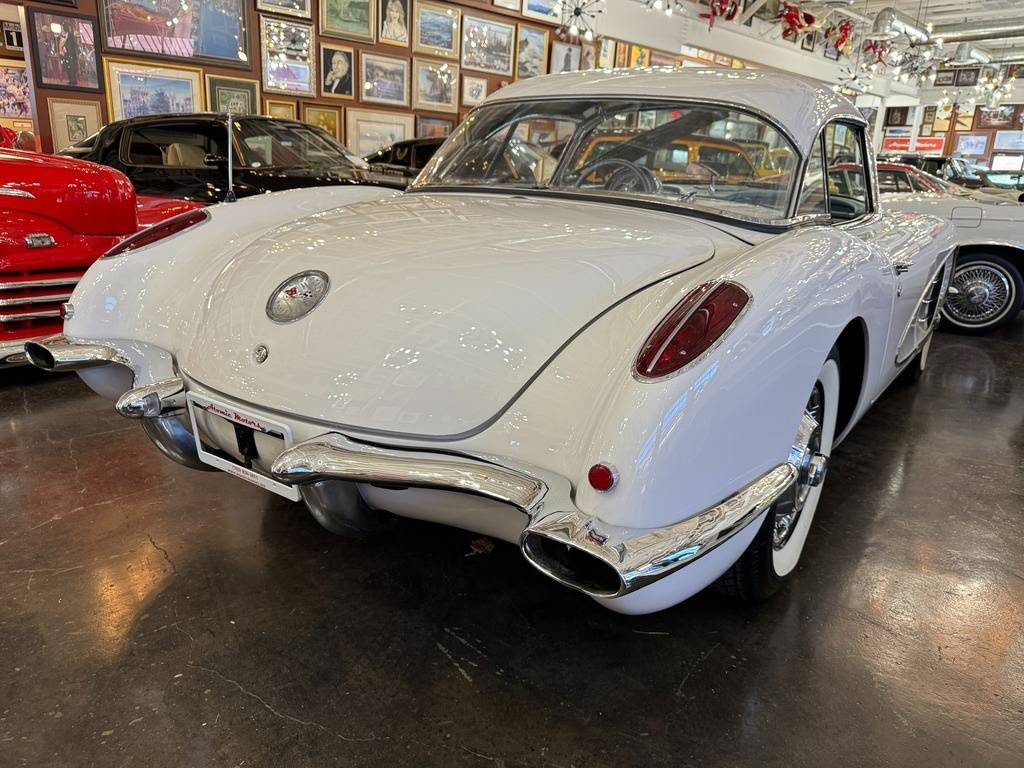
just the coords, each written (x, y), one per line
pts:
(812, 190)
(844, 152)
(175, 145)
(916, 184)
(887, 181)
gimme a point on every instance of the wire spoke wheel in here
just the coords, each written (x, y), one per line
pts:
(983, 292)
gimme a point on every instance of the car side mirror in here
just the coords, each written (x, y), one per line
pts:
(215, 161)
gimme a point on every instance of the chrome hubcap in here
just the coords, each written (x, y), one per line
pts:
(811, 467)
(979, 293)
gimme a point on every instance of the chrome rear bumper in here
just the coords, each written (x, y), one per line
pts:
(13, 353)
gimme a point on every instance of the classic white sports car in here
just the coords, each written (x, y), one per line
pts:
(586, 329)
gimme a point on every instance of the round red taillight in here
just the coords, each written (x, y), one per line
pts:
(602, 477)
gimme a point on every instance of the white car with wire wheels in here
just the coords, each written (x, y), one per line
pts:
(631, 358)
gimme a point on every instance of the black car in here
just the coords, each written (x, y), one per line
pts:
(402, 161)
(185, 156)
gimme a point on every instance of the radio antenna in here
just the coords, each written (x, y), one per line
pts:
(230, 196)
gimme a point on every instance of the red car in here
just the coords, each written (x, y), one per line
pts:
(59, 216)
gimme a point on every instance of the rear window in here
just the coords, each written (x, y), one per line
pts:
(176, 146)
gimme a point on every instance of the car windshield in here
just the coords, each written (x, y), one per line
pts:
(269, 143)
(692, 155)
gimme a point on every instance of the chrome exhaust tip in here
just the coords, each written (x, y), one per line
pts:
(56, 355)
(572, 566)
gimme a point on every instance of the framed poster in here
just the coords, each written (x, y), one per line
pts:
(829, 50)
(287, 49)
(639, 56)
(64, 52)
(435, 85)
(394, 22)
(658, 59)
(300, 8)
(214, 30)
(384, 80)
(545, 10)
(531, 52)
(337, 71)
(896, 116)
(964, 121)
(72, 120)
(327, 118)
(807, 41)
(487, 46)
(351, 19)
(13, 39)
(606, 54)
(999, 117)
(588, 56)
(433, 127)
(512, 5)
(239, 96)
(368, 131)
(474, 90)
(135, 88)
(943, 116)
(282, 110)
(622, 54)
(565, 57)
(1012, 140)
(967, 77)
(945, 77)
(435, 30)
(972, 144)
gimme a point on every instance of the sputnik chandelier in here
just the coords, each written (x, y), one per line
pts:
(668, 7)
(579, 19)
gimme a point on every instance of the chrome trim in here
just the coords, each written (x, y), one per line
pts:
(48, 283)
(22, 300)
(172, 435)
(39, 240)
(9, 192)
(150, 401)
(37, 315)
(13, 353)
(55, 353)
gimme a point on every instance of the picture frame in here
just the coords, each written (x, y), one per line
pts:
(433, 127)
(606, 53)
(807, 42)
(366, 130)
(72, 120)
(487, 45)
(136, 87)
(658, 59)
(337, 71)
(565, 57)
(1009, 140)
(945, 77)
(531, 51)
(299, 8)
(544, 10)
(349, 19)
(13, 39)
(474, 90)
(237, 95)
(967, 77)
(329, 119)
(964, 122)
(511, 5)
(286, 48)
(588, 56)
(621, 55)
(896, 116)
(393, 22)
(435, 29)
(639, 56)
(435, 85)
(972, 144)
(383, 79)
(64, 52)
(999, 118)
(829, 50)
(206, 31)
(280, 109)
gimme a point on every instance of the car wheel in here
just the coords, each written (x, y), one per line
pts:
(985, 292)
(775, 551)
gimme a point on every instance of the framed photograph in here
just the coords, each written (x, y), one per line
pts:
(565, 57)
(531, 51)
(64, 50)
(433, 127)
(282, 110)
(474, 90)
(545, 10)
(943, 116)
(830, 51)
(896, 116)
(384, 80)
(300, 8)
(351, 19)
(945, 77)
(622, 55)
(967, 77)
(1000, 117)
(239, 96)
(287, 49)
(972, 144)
(606, 54)
(639, 56)
(337, 71)
(435, 85)
(327, 118)
(435, 30)
(13, 39)
(72, 120)
(512, 5)
(394, 22)
(213, 30)
(588, 56)
(135, 88)
(1012, 140)
(964, 122)
(807, 41)
(487, 46)
(368, 131)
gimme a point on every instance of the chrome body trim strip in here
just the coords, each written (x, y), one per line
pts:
(41, 314)
(22, 300)
(47, 283)
(12, 192)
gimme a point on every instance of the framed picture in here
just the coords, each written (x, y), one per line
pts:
(435, 30)
(588, 56)
(300, 8)
(531, 52)
(658, 59)
(1013, 140)
(282, 110)
(606, 54)
(384, 79)
(72, 120)
(945, 77)
(474, 90)
(487, 46)
(351, 19)
(964, 122)
(545, 10)
(565, 57)
(830, 51)
(639, 56)
(435, 85)
(135, 88)
(433, 127)
(896, 116)
(807, 41)
(287, 49)
(972, 144)
(327, 118)
(13, 39)
(622, 54)
(967, 77)
(64, 51)
(236, 95)
(213, 30)
(367, 131)
(943, 116)
(394, 22)
(512, 5)
(337, 71)
(999, 117)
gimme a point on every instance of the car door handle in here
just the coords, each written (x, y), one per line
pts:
(901, 268)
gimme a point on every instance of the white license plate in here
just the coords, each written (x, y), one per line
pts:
(255, 423)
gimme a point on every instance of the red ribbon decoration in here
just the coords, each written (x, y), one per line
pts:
(725, 9)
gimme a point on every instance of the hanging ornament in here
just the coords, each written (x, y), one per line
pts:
(579, 19)
(876, 50)
(668, 7)
(720, 9)
(841, 35)
(795, 22)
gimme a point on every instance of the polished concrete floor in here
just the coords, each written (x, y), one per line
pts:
(152, 616)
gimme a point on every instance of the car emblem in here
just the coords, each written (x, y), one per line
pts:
(260, 354)
(297, 296)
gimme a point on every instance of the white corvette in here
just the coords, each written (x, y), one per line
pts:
(590, 328)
